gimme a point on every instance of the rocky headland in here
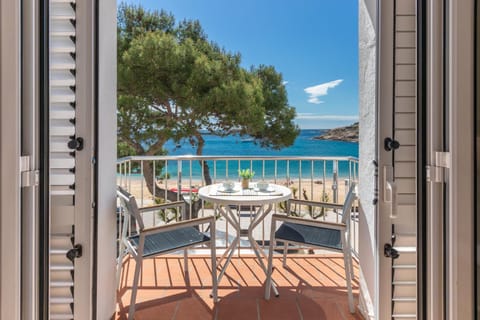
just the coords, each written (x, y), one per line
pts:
(348, 133)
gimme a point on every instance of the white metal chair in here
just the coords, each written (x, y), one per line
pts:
(159, 240)
(315, 233)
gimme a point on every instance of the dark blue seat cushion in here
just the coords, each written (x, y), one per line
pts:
(170, 240)
(316, 236)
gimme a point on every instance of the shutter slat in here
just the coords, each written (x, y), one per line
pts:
(64, 179)
(62, 78)
(62, 45)
(62, 61)
(62, 112)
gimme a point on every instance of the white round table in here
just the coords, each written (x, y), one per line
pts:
(253, 197)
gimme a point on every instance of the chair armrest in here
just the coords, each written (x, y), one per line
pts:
(181, 224)
(308, 222)
(162, 206)
(317, 203)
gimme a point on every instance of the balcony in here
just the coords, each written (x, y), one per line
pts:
(312, 287)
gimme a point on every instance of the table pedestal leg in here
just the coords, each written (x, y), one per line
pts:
(256, 248)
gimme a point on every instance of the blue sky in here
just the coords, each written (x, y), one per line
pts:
(314, 44)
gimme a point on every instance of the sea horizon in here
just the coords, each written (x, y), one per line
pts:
(304, 145)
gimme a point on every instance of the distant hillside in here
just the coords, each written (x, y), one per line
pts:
(348, 133)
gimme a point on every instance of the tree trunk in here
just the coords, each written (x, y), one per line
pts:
(151, 185)
(206, 169)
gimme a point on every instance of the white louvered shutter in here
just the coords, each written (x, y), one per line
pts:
(398, 160)
(62, 75)
(404, 227)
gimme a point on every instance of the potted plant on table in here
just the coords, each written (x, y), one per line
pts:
(246, 175)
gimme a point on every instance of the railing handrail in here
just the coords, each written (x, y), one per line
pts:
(237, 157)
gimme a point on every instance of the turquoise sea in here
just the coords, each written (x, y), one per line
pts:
(233, 146)
(304, 146)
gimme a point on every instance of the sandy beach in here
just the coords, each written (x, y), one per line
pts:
(306, 189)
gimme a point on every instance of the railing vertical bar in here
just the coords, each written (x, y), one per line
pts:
(275, 171)
(323, 184)
(263, 169)
(128, 177)
(179, 178)
(311, 181)
(190, 192)
(349, 172)
(123, 174)
(355, 228)
(202, 182)
(154, 181)
(239, 168)
(166, 177)
(288, 173)
(141, 186)
(275, 180)
(355, 171)
(226, 169)
(300, 191)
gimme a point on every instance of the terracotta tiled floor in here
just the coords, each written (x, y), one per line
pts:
(313, 287)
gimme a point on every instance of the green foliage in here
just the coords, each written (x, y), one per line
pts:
(163, 176)
(167, 215)
(124, 149)
(173, 82)
(246, 173)
(313, 211)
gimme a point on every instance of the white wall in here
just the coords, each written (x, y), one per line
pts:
(367, 89)
(107, 156)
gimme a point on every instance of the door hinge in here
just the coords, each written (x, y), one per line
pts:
(436, 172)
(443, 159)
(28, 177)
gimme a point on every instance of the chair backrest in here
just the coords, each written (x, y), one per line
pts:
(130, 206)
(347, 205)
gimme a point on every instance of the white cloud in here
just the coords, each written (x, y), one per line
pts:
(321, 90)
(313, 116)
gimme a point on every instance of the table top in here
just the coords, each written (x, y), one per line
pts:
(215, 193)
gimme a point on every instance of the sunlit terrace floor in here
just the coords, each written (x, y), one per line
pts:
(313, 287)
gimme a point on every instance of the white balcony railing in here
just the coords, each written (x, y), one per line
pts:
(179, 177)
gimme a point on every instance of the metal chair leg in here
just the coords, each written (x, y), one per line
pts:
(285, 250)
(214, 270)
(350, 259)
(268, 281)
(138, 266)
(120, 264)
(185, 261)
(348, 273)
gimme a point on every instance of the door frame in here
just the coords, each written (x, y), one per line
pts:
(10, 111)
(460, 180)
(385, 58)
